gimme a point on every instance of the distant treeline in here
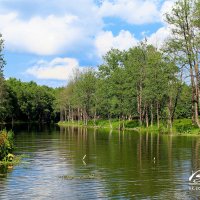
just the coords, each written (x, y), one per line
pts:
(28, 102)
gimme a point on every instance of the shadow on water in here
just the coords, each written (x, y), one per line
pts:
(123, 165)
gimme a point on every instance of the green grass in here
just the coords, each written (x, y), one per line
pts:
(185, 126)
(180, 126)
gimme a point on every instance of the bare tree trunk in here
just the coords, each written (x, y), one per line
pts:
(65, 115)
(69, 115)
(123, 125)
(72, 115)
(170, 114)
(158, 116)
(197, 95)
(140, 104)
(95, 117)
(85, 118)
(111, 127)
(147, 117)
(78, 115)
(151, 115)
(194, 103)
(81, 115)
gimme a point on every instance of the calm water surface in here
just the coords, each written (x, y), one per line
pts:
(118, 165)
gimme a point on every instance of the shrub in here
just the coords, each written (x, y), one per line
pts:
(6, 144)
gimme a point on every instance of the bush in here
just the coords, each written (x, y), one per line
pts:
(132, 124)
(6, 144)
(184, 126)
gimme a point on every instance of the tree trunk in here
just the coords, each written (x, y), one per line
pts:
(61, 116)
(139, 100)
(123, 125)
(78, 113)
(151, 115)
(195, 117)
(147, 117)
(95, 118)
(170, 114)
(119, 123)
(72, 115)
(69, 115)
(65, 115)
(158, 116)
(197, 95)
(111, 127)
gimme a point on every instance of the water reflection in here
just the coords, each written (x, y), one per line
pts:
(125, 165)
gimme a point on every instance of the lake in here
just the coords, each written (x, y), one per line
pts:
(117, 165)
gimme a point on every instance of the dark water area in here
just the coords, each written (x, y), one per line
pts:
(118, 165)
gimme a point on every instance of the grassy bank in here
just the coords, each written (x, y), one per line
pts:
(180, 126)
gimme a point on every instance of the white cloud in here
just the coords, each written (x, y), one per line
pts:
(56, 69)
(166, 8)
(43, 36)
(162, 34)
(133, 12)
(68, 26)
(51, 34)
(158, 38)
(106, 40)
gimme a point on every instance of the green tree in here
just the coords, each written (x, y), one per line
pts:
(3, 93)
(184, 42)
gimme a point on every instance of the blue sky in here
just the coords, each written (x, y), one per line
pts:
(46, 40)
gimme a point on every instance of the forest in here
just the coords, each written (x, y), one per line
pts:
(145, 85)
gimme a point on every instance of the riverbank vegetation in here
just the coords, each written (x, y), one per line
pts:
(180, 126)
(7, 158)
(6, 147)
(144, 86)
(151, 85)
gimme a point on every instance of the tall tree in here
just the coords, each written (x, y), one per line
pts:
(3, 93)
(184, 43)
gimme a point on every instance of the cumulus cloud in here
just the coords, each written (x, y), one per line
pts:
(166, 8)
(133, 12)
(106, 40)
(43, 36)
(67, 26)
(56, 69)
(53, 33)
(159, 37)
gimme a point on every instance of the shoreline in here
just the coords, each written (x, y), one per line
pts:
(182, 127)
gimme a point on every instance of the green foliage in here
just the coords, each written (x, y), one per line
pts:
(6, 144)
(185, 126)
(131, 88)
(29, 101)
(132, 124)
(140, 83)
(3, 93)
